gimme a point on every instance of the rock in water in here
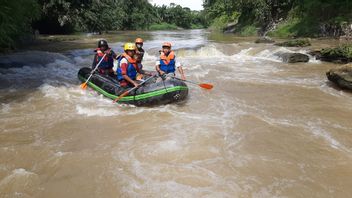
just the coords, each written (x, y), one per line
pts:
(295, 43)
(294, 57)
(230, 27)
(342, 76)
(316, 54)
(341, 54)
(264, 40)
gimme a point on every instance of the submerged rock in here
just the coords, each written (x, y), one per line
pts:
(316, 54)
(264, 40)
(342, 54)
(342, 76)
(295, 43)
(294, 57)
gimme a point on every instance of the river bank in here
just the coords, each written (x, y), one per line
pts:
(61, 43)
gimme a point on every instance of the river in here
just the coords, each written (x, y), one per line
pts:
(266, 129)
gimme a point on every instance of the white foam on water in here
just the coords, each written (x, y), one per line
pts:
(21, 171)
(96, 111)
(5, 108)
(322, 133)
(208, 52)
(16, 173)
(328, 89)
(150, 57)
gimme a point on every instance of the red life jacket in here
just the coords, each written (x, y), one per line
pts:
(108, 61)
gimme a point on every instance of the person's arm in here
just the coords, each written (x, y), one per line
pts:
(157, 67)
(125, 76)
(180, 70)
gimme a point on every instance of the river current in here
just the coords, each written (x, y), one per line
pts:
(266, 129)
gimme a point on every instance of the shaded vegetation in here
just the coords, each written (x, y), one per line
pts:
(16, 18)
(284, 18)
(163, 26)
(22, 17)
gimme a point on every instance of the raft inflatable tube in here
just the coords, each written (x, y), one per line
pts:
(149, 94)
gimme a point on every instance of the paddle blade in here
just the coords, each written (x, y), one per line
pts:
(84, 85)
(206, 86)
(121, 96)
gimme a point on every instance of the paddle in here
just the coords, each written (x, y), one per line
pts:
(84, 85)
(134, 88)
(202, 85)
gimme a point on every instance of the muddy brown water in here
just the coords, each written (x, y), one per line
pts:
(267, 129)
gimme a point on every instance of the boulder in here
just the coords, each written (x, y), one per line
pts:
(316, 54)
(295, 43)
(294, 57)
(264, 40)
(342, 54)
(230, 27)
(342, 76)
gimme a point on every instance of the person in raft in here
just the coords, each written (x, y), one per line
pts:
(166, 65)
(139, 50)
(128, 69)
(139, 55)
(107, 63)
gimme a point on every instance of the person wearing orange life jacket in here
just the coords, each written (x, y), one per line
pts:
(107, 64)
(128, 67)
(139, 55)
(167, 64)
(139, 50)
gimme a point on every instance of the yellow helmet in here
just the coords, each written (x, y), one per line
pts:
(129, 46)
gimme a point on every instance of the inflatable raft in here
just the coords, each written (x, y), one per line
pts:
(149, 94)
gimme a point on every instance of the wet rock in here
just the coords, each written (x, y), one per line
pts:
(264, 40)
(316, 54)
(295, 43)
(294, 57)
(230, 28)
(342, 54)
(341, 76)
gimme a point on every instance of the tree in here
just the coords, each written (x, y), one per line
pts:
(16, 18)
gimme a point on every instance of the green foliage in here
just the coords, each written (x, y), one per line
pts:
(295, 17)
(221, 22)
(66, 16)
(16, 17)
(286, 29)
(163, 26)
(248, 30)
(344, 51)
(99, 16)
(181, 17)
(197, 26)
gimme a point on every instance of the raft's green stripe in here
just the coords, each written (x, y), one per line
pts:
(137, 97)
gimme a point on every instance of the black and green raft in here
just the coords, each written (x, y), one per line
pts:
(149, 94)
